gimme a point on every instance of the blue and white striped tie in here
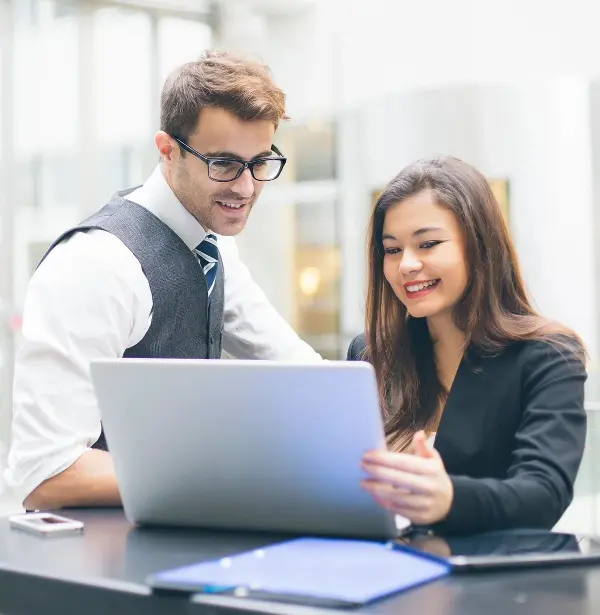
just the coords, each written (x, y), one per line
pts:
(208, 255)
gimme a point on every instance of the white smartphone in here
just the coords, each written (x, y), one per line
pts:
(45, 524)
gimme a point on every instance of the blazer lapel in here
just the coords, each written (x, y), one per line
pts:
(461, 432)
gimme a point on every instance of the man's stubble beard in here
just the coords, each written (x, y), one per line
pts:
(201, 206)
(196, 203)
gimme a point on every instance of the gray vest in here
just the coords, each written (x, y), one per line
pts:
(185, 324)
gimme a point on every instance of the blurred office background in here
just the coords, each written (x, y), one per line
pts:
(512, 87)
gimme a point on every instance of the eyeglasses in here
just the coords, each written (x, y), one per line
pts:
(223, 169)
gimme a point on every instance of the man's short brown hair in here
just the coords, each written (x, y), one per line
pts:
(219, 79)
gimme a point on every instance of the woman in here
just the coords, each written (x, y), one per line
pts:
(461, 355)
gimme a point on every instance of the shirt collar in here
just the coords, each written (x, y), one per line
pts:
(158, 198)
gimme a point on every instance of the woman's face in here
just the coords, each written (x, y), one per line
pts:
(424, 256)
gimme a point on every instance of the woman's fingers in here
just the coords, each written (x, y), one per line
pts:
(396, 500)
(401, 461)
(412, 483)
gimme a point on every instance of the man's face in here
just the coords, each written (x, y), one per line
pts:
(220, 207)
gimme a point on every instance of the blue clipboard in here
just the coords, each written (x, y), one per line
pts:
(321, 571)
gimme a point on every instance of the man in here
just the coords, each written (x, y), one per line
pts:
(147, 276)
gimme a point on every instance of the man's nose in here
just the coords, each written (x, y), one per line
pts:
(244, 184)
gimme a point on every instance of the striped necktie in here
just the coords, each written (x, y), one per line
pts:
(208, 255)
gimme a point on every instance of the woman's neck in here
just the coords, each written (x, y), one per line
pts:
(448, 339)
(448, 349)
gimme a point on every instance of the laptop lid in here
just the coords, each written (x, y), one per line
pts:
(249, 445)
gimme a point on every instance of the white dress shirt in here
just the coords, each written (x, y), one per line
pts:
(89, 299)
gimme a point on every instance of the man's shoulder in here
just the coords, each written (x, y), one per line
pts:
(87, 254)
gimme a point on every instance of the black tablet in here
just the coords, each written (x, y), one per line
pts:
(522, 548)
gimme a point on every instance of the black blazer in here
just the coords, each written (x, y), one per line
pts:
(511, 436)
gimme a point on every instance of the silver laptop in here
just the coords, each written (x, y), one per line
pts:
(249, 445)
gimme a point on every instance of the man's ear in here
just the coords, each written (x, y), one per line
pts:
(166, 146)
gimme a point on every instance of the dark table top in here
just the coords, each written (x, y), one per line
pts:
(103, 571)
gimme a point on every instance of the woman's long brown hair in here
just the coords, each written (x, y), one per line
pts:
(493, 312)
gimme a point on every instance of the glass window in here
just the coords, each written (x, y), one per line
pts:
(180, 41)
(45, 56)
(121, 81)
(317, 277)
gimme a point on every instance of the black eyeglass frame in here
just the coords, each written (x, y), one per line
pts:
(245, 164)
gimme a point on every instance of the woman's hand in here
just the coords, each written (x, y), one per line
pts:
(414, 486)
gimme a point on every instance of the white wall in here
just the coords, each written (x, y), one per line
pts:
(386, 45)
(553, 201)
